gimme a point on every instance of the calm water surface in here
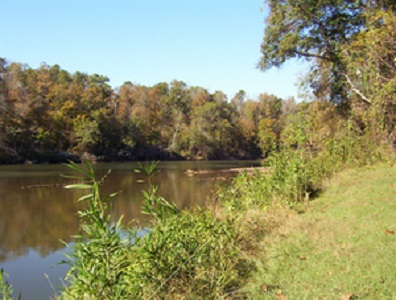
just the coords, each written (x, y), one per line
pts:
(36, 212)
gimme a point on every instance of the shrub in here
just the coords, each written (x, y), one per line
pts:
(188, 254)
(98, 256)
(6, 290)
(296, 173)
(191, 254)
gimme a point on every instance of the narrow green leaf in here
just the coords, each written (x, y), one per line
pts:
(85, 197)
(72, 177)
(78, 186)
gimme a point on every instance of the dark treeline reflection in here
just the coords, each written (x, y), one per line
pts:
(35, 217)
(36, 211)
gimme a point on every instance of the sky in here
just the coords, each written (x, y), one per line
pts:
(214, 44)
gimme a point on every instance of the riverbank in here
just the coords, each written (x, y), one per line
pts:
(342, 247)
(122, 154)
(339, 245)
(220, 253)
(36, 211)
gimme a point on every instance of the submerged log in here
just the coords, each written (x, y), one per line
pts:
(35, 186)
(230, 170)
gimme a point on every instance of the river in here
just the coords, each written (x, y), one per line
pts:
(37, 212)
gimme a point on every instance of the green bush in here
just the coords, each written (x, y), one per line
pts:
(187, 254)
(191, 255)
(6, 290)
(184, 254)
(98, 256)
(297, 173)
(291, 179)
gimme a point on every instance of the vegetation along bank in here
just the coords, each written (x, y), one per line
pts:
(300, 230)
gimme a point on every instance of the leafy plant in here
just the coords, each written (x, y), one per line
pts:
(309, 155)
(189, 254)
(6, 290)
(183, 253)
(154, 205)
(98, 257)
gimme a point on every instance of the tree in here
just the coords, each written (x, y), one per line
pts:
(210, 132)
(371, 74)
(238, 100)
(49, 114)
(267, 137)
(7, 153)
(200, 97)
(311, 126)
(317, 31)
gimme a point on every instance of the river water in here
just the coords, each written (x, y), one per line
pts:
(37, 212)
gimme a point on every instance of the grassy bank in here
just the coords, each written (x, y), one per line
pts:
(343, 247)
(289, 234)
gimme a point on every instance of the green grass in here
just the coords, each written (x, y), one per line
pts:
(343, 247)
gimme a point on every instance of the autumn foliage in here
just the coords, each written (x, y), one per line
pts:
(49, 114)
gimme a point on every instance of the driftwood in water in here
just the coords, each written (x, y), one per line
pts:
(231, 170)
(35, 186)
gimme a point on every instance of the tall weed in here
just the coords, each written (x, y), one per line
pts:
(98, 256)
(297, 173)
(6, 290)
(187, 254)
(191, 255)
(183, 254)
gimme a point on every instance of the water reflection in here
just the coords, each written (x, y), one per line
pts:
(34, 218)
(36, 212)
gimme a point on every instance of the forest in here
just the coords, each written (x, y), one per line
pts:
(50, 115)
(318, 224)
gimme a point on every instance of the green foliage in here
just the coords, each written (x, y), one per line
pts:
(150, 171)
(5, 288)
(317, 31)
(209, 130)
(342, 248)
(309, 29)
(292, 177)
(298, 169)
(183, 254)
(154, 205)
(188, 254)
(267, 138)
(371, 74)
(98, 256)
(157, 206)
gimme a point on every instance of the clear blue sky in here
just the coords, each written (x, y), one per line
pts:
(210, 43)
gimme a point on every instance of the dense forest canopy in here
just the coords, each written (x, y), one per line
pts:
(49, 114)
(321, 31)
(352, 49)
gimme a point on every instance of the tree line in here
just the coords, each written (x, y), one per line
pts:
(48, 114)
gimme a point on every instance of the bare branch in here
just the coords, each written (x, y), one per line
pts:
(306, 54)
(354, 89)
